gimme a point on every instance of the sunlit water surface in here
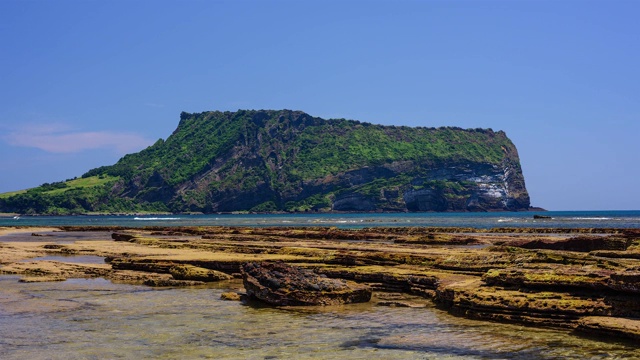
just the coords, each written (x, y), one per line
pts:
(96, 319)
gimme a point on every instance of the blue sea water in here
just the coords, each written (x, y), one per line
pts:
(559, 219)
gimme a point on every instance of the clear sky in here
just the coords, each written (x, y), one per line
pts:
(84, 82)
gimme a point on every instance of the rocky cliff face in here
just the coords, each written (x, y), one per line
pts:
(451, 187)
(290, 161)
(485, 188)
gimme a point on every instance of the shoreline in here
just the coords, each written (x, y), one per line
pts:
(586, 280)
(531, 209)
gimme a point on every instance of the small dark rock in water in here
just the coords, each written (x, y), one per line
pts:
(231, 296)
(541, 217)
(400, 304)
(281, 284)
(172, 283)
(122, 237)
(53, 246)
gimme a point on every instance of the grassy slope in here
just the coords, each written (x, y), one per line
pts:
(285, 153)
(70, 185)
(73, 196)
(11, 193)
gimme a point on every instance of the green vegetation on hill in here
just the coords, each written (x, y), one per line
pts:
(185, 153)
(355, 145)
(75, 196)
(283, 161)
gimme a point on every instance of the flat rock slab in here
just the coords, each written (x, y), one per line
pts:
(190, 272)
(285, 285)
(579, 243)
(605, 325)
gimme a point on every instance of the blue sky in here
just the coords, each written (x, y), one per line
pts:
(84, 82)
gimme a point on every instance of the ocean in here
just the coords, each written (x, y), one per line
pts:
(559, 219)
(98, 319)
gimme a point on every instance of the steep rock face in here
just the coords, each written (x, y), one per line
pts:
(286, 160)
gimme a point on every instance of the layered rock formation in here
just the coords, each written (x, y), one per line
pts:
(285, 285)
(268, 160)
(582, 284)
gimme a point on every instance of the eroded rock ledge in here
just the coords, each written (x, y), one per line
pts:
(544, 277)
(285, 285)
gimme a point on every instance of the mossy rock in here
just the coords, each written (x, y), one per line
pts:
(190, 272)
(231, 296)
(558, 277)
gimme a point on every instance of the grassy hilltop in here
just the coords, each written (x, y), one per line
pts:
(286, 160)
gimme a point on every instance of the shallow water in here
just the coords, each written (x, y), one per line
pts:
(96, 319)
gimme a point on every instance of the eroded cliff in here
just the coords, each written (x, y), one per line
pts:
(266, 160)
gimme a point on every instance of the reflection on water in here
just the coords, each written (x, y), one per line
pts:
(95, 319)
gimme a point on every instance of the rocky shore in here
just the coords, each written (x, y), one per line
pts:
(583, 279)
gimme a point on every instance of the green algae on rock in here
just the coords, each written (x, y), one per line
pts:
(551, 287)
(190, 272)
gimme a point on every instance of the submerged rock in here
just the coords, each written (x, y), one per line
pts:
(231, 296)
(34, 279)
(281, 284)
(122, 237)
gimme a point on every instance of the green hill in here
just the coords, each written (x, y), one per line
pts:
(290, 161)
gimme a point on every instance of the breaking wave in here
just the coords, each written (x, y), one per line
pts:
(156, 218)
(592, 218)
